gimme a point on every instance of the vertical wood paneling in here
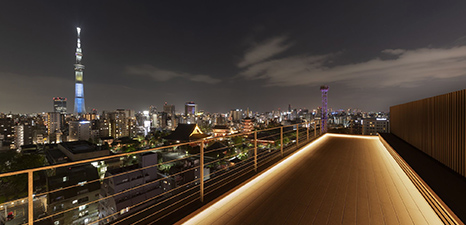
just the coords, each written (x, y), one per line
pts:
(436, 126)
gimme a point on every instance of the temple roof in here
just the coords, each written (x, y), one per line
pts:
(186, 132)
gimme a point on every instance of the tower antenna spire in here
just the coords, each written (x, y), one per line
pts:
(79, 106)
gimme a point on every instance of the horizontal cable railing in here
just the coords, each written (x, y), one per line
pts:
(151, 183)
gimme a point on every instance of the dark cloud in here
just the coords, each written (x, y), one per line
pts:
(411, 68)
(226, 55)
(263, 51)
(166, 75)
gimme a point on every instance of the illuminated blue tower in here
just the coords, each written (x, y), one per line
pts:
(79, 107)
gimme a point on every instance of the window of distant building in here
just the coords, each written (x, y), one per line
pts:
(82, 191)
(82, 207)
(85, 199)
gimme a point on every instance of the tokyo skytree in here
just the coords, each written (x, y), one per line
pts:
(79, 107)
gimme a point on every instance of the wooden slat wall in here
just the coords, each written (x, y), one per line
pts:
(436, 126)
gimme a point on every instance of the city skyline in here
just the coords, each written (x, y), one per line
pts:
(227, 56)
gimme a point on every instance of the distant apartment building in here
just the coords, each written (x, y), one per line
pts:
(117, 203)
(220, 120)
(23, 135)
(121, 122)
(169, 109)
(170, 119)
(103, 126)
(90, 116)
(236, 115)
(7, 126)
(372, 126)
(54, 122)
(85, 187)
(73, 188)
(80, 130)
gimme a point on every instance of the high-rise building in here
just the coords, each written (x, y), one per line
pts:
(190, 108)
(236, 115)
(54, 122)
(7, 129)
(164, 119)
(169, 109)
(171, 117)
(23, 135)
(59, 105)
(80, 130)
(79, 106)
(220, 120)
(122, 121)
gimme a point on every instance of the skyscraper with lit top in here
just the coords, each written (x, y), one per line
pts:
(190, 108)
(79, 106)
(59, 105)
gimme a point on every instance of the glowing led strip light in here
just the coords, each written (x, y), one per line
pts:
(247, 187)
(209, 210)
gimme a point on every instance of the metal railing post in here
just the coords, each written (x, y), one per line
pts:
(201, 164)
(281, 140)
(30, 200)
(255, 150)
(320, 123)
(307, 130)
(315, 129)
(297, 135)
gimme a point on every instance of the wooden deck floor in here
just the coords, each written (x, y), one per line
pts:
(335, 180)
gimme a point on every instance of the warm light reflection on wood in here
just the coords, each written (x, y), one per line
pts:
(436, 126)
(335, 179)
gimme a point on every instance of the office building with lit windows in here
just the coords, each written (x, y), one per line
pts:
(190, 108)
(372, 126)
(59, 105)
(80, 197)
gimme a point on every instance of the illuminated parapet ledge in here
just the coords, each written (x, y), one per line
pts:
(405, 202)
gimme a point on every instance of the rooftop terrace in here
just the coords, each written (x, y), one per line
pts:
(337, 179)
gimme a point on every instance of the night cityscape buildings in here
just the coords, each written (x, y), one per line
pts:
(58, 137)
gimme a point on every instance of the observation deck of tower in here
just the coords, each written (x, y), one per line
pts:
(79, 106)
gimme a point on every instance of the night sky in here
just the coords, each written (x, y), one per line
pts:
(223, 55)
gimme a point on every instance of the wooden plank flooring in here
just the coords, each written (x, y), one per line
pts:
(335, 180)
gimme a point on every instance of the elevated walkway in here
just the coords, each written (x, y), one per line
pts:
(337, 179)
